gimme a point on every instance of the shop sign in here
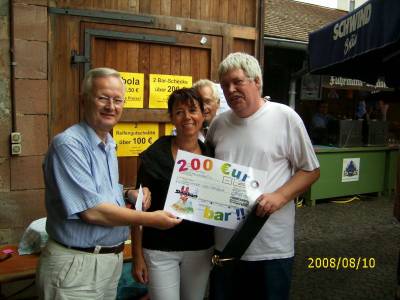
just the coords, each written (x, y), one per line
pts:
(347, 83)
(310, 87)
(170, 129)
(134, 87)
(161, 86)
(351, 169)
(134, 138)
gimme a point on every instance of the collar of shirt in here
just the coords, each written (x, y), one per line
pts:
(95, 141)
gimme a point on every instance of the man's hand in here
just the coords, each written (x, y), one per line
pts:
(163, 220)
(299, 183)
(268, 203)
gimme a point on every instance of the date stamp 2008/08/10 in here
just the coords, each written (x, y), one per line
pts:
(339, 263)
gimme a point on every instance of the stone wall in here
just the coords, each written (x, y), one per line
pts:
(21, 181)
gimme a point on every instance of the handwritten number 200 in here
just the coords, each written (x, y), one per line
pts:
(195, 164)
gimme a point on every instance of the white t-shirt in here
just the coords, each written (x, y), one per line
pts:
(273, 139)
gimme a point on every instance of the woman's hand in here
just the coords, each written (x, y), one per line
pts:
(146, 202)
(139, 269)
(146, 198)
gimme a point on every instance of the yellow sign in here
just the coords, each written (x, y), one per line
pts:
(161, 86)
(134, 138)
(134, 87)
(170, 129)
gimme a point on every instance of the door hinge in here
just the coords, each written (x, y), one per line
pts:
(78, 59)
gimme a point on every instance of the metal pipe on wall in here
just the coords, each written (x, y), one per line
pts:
(12, 65)
(292, 93)
(292, 87)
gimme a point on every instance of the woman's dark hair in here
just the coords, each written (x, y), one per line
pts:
(184, 95)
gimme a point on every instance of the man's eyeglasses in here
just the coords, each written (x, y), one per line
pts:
(106, 100)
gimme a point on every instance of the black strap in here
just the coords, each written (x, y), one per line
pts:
(242, 239)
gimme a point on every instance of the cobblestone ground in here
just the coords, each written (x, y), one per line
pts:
(363, 228)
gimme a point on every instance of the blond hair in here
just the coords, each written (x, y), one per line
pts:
(205, 82)
(239, 60)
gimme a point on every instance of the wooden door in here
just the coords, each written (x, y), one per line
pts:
(149, 51)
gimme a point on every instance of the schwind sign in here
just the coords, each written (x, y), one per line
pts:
(348, 27)
(364, 44)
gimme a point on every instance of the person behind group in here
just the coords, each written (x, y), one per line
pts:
(383, 108)
(209, 94)
(87, 221)
(321, 118)
(319, 123)
(175, 263)
(361, 110)
(379, 111)
(271, 137)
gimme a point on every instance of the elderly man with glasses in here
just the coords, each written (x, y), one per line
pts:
(87, 221)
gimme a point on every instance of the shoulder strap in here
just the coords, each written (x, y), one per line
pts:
(241, 240)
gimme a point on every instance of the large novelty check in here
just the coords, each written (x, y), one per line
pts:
(212, 191)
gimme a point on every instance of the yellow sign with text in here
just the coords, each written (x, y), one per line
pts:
(134, 87)
(161, 86)
(134, 138)
(170, 129)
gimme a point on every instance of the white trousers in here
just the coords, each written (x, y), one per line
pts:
(178, 275)
(69, 274)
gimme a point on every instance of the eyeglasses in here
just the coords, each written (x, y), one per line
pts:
(106, 100)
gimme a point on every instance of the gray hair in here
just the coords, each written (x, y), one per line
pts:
(205, 82)
(92, 74)
(239, 60)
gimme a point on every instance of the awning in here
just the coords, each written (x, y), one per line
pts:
(365, 44)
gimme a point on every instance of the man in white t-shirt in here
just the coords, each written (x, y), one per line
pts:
(269, 136)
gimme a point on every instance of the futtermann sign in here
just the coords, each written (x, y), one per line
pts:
(347, 83)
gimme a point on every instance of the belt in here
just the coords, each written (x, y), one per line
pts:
(98, 249)
(241, 239)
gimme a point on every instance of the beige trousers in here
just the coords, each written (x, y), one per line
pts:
(69, 274)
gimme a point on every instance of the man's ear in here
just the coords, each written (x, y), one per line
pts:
(257, 81)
